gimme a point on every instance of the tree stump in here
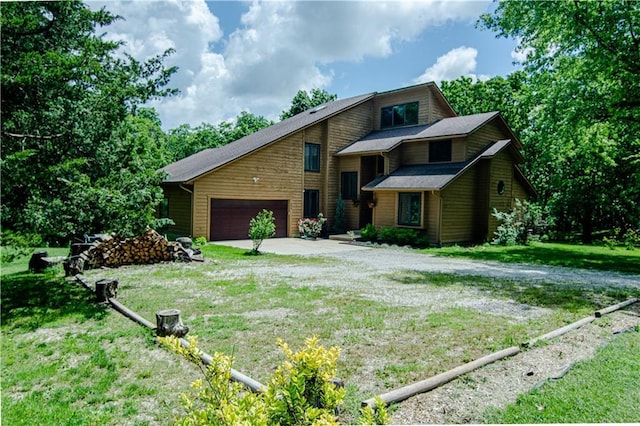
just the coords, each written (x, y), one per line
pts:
(169, 323)
(106, 289)
(37, 264)
(74, 265)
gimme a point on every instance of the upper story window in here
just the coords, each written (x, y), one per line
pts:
(439, 151)
(311, 157)
(399, 115)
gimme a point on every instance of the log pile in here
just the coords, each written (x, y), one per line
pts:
(112, 252)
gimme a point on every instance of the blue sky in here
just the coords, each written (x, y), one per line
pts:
(254, 56)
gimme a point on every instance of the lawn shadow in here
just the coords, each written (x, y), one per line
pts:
(572, 298)
(30, 301)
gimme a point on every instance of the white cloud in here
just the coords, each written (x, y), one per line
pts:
(277, 50)
(457, 62)
(520, 54)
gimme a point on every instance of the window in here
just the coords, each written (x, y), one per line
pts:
(439, 151)
(399, 115)
(349, 185)
(409, 208)
(163, 208)
(311, 157)
(311, 202)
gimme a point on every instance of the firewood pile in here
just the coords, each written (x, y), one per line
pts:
(110, 251)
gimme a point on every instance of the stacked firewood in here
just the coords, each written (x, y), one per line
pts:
(112, 252)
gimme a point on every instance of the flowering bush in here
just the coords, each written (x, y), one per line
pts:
(311, 227)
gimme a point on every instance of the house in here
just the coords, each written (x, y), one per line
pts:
(400, 158)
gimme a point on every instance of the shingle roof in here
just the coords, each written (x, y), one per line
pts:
(431, 176)
(386, 140)
(203, 162)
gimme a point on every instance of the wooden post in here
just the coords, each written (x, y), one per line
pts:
(106, 289)
(36, 263)
(169, 323)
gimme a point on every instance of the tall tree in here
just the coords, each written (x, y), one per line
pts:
(184, 140)
(304, 100)
(583, 62)
(66, 99)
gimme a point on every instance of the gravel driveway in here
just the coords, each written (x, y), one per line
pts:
(358, 261)
(371, 272)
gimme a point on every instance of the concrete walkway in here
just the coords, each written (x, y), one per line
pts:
(296, 246)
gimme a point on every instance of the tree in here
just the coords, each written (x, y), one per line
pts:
(583, 59)
(70, 164)
(184, 141)
(303, 101)
(507, 95)
(261, 227)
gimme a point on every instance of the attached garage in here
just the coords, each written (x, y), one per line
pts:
(230, 218)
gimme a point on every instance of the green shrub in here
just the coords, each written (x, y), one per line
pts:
(339, 221)
(200, 241)
(519, 224)
(377, 415)
(301, 391)
(398, 236)
(261, 227)
(369, 233)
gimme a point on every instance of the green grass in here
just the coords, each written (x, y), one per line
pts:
(551, 254)
(68, 360)
(605, 389)
(571, 298)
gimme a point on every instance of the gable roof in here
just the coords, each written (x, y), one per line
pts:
(206, 161)
(427, 177)
(387, 140)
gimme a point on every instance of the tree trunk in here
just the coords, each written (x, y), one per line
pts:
(587, 224)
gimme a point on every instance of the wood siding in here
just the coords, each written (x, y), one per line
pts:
(351, 212)
(279, 169)
(393, 160)
(343, 130)
(519, 190)
(433, 216)
(458, 150)
(179, 209)
(459, 210)
(501, 170)
(414, 153)
(430, 107)
(317, 180)
(384, 214)
(479, 139)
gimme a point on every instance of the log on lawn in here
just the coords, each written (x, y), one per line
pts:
(433, 382)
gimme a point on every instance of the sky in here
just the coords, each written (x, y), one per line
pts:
(254, 56)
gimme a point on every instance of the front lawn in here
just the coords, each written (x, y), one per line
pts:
(67, 360)
(605, 389)
(551, 254)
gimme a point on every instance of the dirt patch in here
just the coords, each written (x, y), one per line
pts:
(465, 399)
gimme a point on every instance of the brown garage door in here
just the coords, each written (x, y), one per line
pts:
(230, 218)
